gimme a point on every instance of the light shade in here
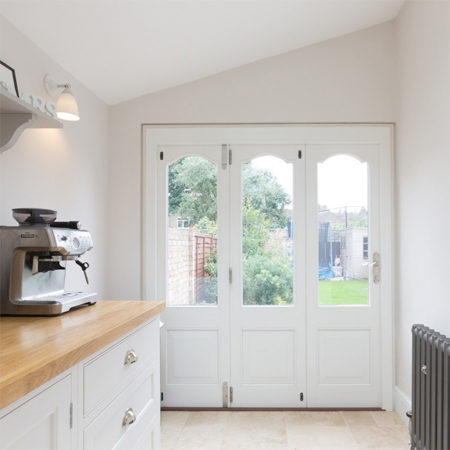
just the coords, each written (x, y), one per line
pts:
(66, 106)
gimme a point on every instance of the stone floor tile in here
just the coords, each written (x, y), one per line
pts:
(319, 418)
(174, 418)
(273, 430)
(358, 418)
(320, 437)
(374, 437)
(387, 419)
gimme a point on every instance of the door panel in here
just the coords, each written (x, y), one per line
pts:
(193, 356)
(338, 366)
(262, 360)
(343, 300)
(267, 295)
(193, 235)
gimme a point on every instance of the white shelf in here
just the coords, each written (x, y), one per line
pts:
(16, 116)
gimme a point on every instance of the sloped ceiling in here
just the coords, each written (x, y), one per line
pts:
(121, 49)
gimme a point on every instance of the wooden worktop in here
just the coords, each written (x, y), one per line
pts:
(33, 350)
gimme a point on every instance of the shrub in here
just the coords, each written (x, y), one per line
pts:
(268, 280)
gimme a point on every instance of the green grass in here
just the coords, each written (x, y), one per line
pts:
(348, 292)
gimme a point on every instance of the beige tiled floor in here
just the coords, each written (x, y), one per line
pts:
(239, 430)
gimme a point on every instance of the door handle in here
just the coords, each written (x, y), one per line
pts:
(369, 264)
(375, 266)
(376, 269)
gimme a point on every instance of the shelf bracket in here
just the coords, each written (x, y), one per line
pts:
(12, 126)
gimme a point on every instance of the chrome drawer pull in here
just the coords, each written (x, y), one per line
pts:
(129, 417)
(130, 357)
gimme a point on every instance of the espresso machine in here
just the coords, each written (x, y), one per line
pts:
(33, 260)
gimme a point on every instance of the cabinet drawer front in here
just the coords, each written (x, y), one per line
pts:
(115, 368)
(108, 430)
(144, 436)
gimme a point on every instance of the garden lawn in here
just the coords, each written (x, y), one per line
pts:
(345, 292)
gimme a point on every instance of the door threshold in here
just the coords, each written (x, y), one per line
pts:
(186, 408)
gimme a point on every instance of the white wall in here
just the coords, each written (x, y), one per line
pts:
(422, 175)
(62, 169)
(348, 79)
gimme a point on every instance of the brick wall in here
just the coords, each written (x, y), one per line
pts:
(180, 267)
(187, 256)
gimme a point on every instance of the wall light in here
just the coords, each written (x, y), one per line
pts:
(66, 105)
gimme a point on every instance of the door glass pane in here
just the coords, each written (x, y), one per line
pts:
(267, 232)
(192, 232)
(343, 232)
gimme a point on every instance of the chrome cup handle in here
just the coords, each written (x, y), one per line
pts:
(129, 417)
(130, 357)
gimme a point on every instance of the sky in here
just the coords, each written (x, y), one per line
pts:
(342, 180)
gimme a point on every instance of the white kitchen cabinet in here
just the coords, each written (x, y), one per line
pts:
(42, 423)
(121, 395)
(110, 400)
(112, 370)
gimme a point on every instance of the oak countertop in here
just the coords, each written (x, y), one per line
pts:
(33, 350)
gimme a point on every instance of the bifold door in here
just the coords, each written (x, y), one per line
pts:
(269, 256)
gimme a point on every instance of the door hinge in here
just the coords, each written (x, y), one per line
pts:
(299, 154)
(162, 396)
(71, 415)
(231, 394)
(161, 155)
(230, 156)
(230, 275)
(301, 396)
(224, 156)
(225, 394)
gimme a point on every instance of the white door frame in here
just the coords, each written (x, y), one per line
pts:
(308, 134)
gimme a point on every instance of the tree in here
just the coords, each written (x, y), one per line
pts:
(206, 226)
(267, 270)
(255, 229)
(193, 191)
(267, 267)
(265, 194)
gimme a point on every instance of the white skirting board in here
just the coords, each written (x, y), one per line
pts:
(402, 403)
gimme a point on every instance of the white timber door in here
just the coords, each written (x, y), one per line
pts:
(267, 297)
(343, 275)
(193, 273)
(265, 242)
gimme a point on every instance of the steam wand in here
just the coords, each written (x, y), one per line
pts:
(84, 266)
